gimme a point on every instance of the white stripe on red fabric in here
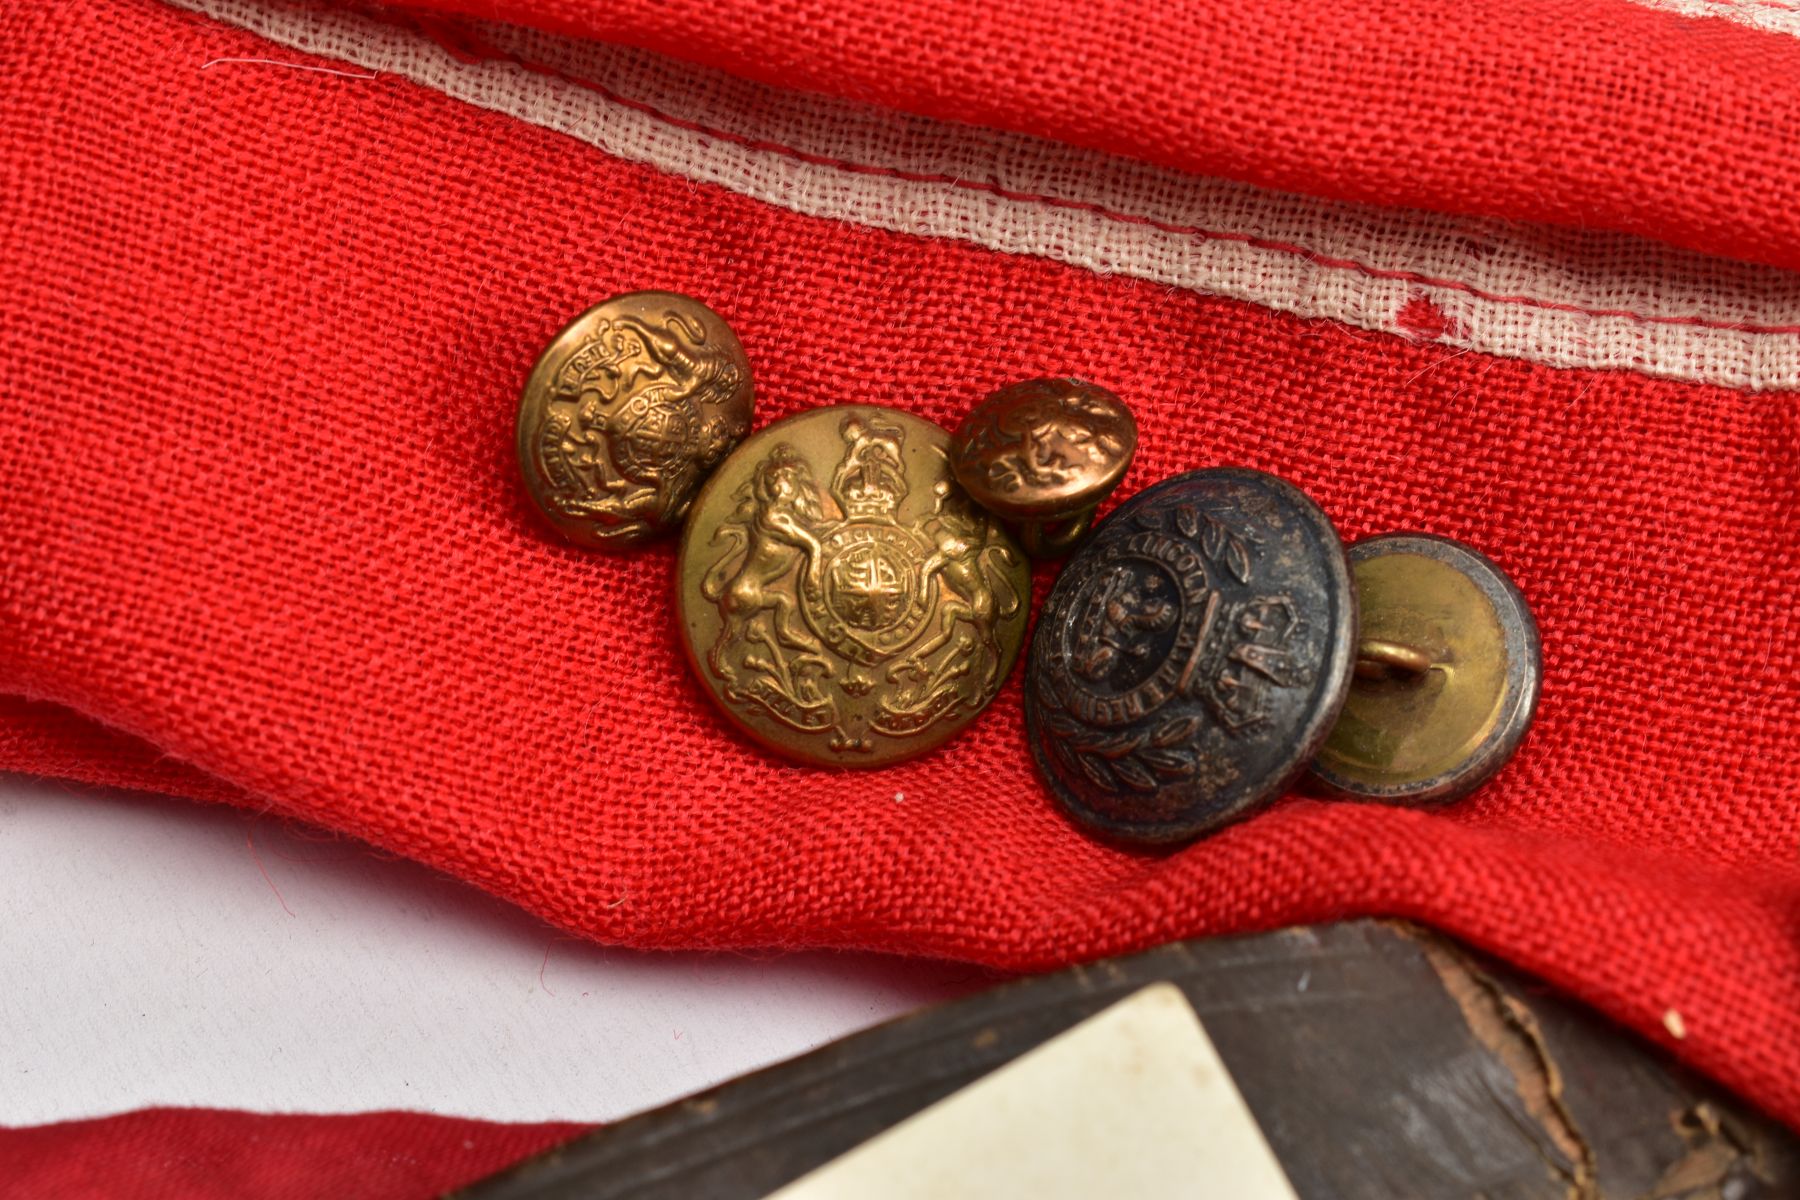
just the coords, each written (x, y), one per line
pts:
(1772, 16)
(1560, 297)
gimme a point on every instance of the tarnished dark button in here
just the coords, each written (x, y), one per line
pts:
(1044, 453)
(1446, 685)
(842, 599)
(1192, 656)
(626, 413)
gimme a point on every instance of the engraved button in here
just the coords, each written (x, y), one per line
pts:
(1044, 453)
(841, 598)
(1191, 656)
(627, 412)
(1447, 672)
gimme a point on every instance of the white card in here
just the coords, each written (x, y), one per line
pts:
(1134, 1102)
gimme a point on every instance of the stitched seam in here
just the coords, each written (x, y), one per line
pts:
(469, 48)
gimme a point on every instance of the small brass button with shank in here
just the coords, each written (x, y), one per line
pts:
(1447, 674)
(1043, 454)
(1192, 656)
(625, 414)
(841, 598)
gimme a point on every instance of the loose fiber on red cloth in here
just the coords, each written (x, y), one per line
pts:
(275, 271)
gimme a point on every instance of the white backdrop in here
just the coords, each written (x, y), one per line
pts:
(158, 952)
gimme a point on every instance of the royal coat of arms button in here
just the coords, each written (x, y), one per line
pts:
(1043, 454)
(626, 413)
(1192, 656)
(841, 598)
(1447, 671)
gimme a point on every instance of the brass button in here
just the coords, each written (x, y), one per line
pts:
(1044, 453)
(1191, 656)
(841, 598)
(626, 413)
(1447, 674)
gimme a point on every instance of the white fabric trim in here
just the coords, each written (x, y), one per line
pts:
(1560, 297)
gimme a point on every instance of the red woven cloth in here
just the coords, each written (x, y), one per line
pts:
(261, 539)
(185, 1152)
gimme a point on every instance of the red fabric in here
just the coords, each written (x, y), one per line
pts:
(182, 1153)
(1587, 113)
(261, 541)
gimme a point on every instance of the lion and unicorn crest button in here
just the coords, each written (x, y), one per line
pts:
(841, 597)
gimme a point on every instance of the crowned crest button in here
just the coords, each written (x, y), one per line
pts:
(1191, 657)
(841, 598)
